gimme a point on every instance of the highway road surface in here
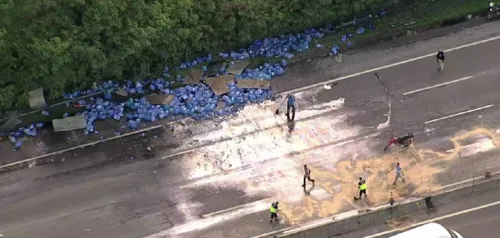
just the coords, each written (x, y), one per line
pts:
(477, 216)
(218, 179)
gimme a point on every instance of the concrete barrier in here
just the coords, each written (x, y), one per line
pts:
(330, 227)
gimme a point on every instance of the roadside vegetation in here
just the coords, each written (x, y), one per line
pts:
(67, 47)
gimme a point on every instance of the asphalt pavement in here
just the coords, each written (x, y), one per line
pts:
(471, 217)
(218, 178)
(304, 74)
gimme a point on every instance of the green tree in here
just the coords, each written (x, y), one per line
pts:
(63, 45)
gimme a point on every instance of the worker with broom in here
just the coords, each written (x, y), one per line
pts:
(274, 212)
(361, 188)
(290, 106)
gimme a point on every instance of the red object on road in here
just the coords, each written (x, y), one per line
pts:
(77, 105)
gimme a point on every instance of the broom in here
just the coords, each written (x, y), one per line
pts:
(278, 109)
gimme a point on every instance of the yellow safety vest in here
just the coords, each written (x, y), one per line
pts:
(272, 209)
(362, 187)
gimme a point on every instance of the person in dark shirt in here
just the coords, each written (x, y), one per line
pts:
(440, 60)
(307, 175)
(290, 106)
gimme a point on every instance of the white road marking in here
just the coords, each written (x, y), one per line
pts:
(263, 202)
(187, 151)
(436, 219)
(464, 181)
(80, 146)
(355, 140)
(389, 65)
(208, 222)
(459, 114)
(437, 85)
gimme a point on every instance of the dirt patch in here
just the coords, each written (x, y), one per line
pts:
(420, 168)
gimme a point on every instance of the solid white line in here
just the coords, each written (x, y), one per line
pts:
(177, 154)
(80, 146)
(389, 66)
(436, 219)
(250, 204)
(437, 85)
(201, 224)
(464, 181)
(458, 114)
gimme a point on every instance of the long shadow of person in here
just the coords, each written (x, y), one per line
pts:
(291, 127)
(290, 123)
(307, 191)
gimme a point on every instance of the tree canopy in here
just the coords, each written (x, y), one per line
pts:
(63, 45)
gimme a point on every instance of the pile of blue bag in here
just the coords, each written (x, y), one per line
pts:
(194, 101)
(30, 131)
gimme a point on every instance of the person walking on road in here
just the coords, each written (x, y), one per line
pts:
(440, 60)
(274, 211)
(307, 175)
(290, 106)
(362, 187)
(399, 173)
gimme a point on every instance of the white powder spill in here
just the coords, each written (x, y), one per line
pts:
(388, 122)
(256, 152)
(259, 117)
(308, 95)
(189, 210)
(260, 157)
(482, 145)
(208, 222)
(266, 146)
(320, 194)
(428, 130)
(263, 147)
(333, 104)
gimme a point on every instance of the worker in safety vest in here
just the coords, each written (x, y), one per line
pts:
(274, 210)
(362, 187)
